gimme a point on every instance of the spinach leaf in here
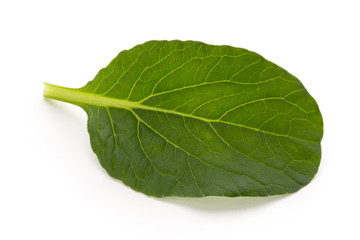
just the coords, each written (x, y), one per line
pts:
(184, 118)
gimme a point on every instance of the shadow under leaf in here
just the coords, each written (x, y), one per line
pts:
(212, 203)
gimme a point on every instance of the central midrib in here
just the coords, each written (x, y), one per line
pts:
(77, 97)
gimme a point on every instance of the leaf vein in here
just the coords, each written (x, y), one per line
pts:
(208, 164)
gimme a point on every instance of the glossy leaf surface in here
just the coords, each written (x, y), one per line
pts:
(175, 118)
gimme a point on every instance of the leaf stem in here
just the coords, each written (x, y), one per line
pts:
(64, 94)
(78, 97)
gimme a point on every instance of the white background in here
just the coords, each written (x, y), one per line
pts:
(51, 184)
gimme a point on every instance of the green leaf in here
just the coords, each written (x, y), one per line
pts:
(184, 118)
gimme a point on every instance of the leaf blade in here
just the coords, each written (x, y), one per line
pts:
(205, 120)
